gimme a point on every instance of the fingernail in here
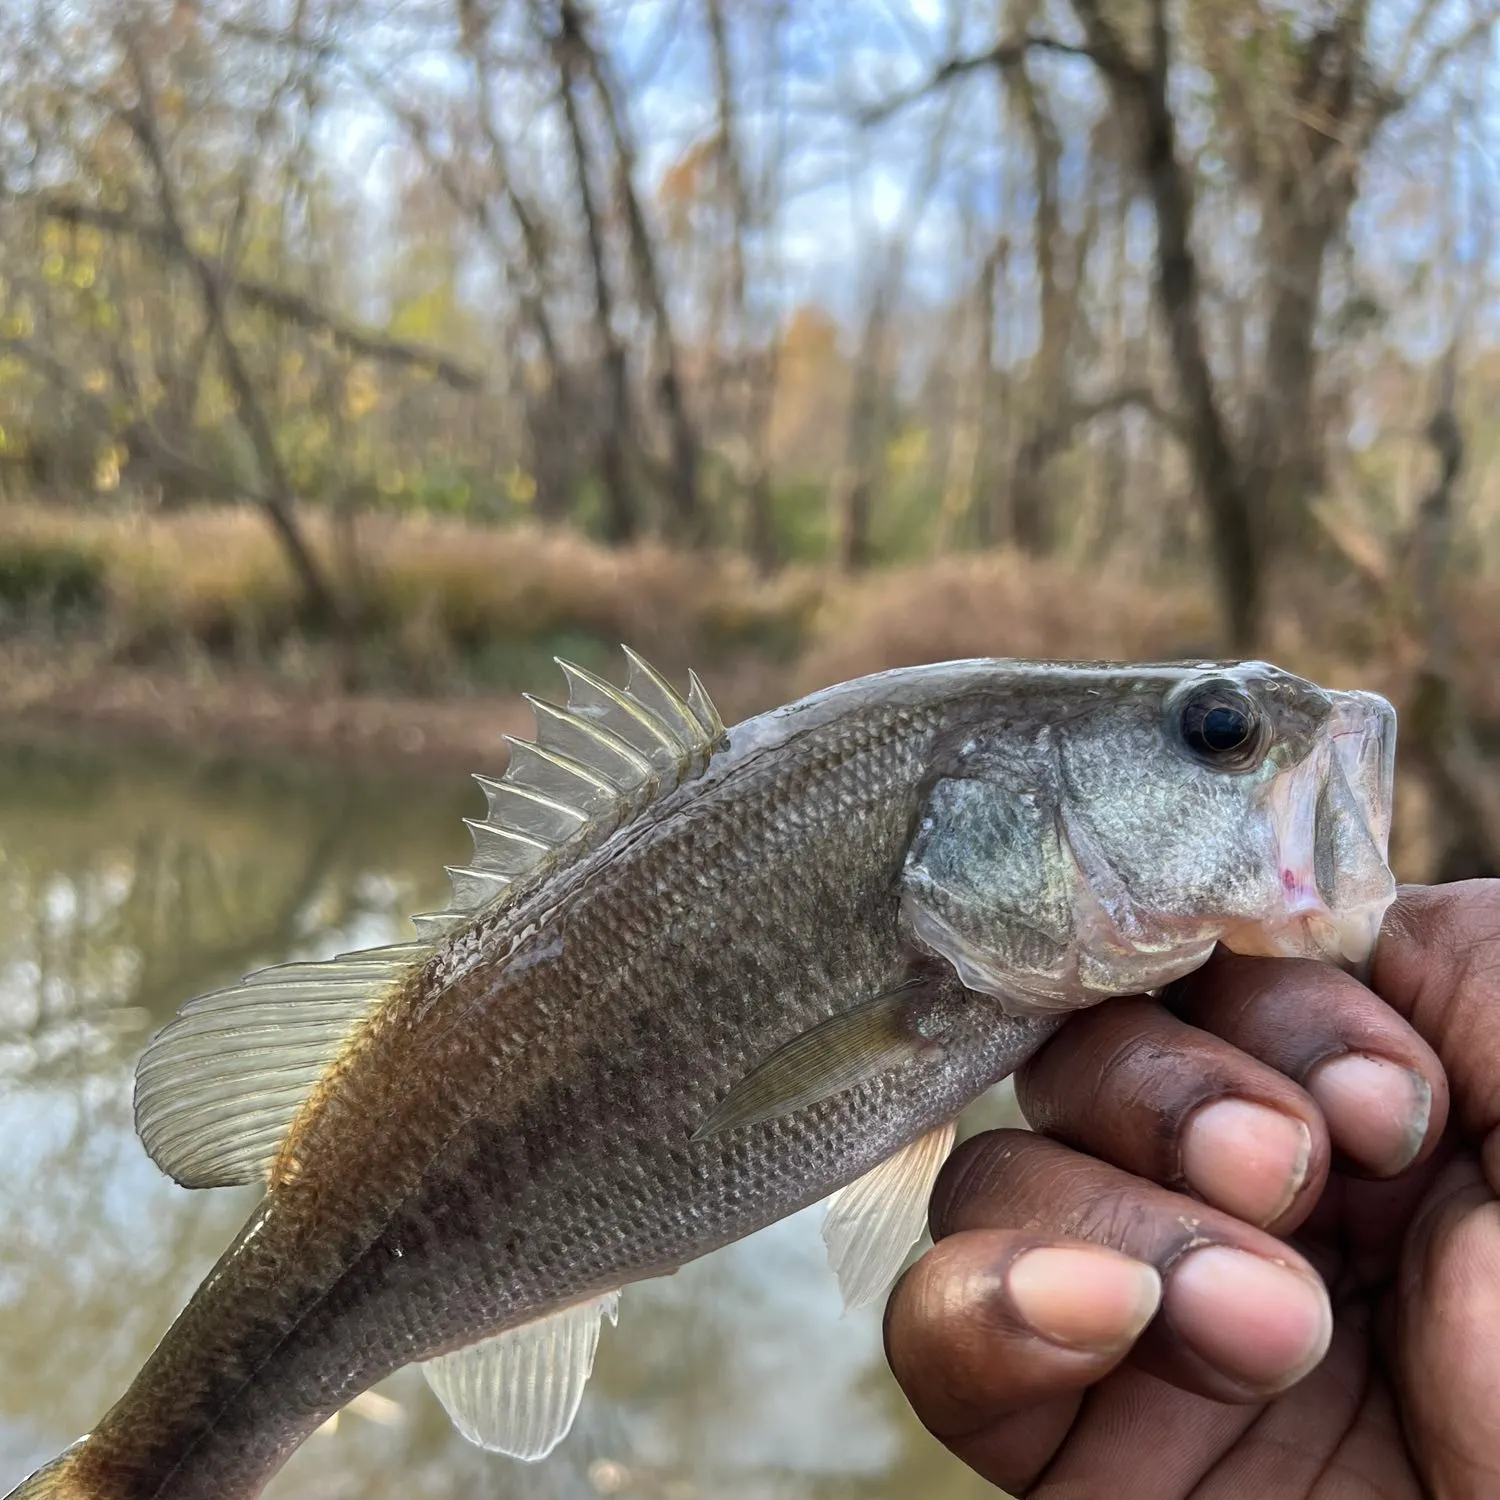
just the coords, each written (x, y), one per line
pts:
(1247, 1159)
(1084, 1297)
(1262, 1324)
(1377, 1111)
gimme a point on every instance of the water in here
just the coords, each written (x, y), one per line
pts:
(130, 882)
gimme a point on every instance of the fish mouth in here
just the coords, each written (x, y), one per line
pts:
(1330, 817)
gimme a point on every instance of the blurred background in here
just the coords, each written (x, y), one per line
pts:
(357, 356)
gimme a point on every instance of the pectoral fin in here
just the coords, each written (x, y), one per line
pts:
(872, 1223)
(836, 1054)
(519, 1392)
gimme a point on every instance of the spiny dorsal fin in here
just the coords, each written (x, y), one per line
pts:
(519, 1392)
(219, 1085)
(595, 763)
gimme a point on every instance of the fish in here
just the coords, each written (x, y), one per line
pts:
(693, 980)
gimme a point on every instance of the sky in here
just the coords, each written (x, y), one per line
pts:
(851, 187)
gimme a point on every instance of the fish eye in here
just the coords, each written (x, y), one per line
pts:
(1221, 726)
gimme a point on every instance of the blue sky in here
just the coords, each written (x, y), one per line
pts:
(849, 189)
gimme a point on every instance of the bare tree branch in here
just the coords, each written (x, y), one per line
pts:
(283, 303)
(280, 500)
(1053, 436)
(1003, 55)
(1398, 95)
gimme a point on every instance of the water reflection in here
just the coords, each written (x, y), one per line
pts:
(129, 883)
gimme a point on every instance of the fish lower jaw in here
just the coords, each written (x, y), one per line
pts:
(1312, 931)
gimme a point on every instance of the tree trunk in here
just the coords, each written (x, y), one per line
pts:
(854, 486)
(760, 510)
(1033, 524)
(683, 491)
(758, 371)
(621, 522)
(971, 414)
(551, 412)
(1304, 209)
(1140, 94)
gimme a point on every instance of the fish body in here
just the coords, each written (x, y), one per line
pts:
(772, 969)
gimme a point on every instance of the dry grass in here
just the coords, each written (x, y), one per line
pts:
(437, 602)
(1000, 604)
(442, 605)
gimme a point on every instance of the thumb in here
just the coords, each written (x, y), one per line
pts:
(1438, 963)
(1447, 1308)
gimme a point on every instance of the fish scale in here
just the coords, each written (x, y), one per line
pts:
(770, 970)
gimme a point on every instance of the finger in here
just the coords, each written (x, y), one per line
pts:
(1243, 1315)
(1153, 1441)
(995, 1335)
(1380, 1087)
(1438, 964)
(1447, 1305)
(1133, 1085)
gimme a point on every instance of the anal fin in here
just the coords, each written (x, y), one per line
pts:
(874, 1221)
(518, 1392)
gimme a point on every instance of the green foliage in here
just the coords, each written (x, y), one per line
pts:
(516, 664)
(55, 581)
(905, 526)
(799, 509)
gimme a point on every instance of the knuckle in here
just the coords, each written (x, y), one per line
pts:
(976, 1178)
(946, 1338)
(1458, 922)
(1129, 1057)
(1120, 1217)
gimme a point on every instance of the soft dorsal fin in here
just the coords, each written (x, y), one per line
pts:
(518, 1393)
(594, 764)
(872, 1223)
(220, 1085)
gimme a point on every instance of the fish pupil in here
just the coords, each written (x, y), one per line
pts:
(1225, 729)
(1219, 728)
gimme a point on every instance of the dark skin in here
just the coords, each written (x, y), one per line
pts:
(1252, 1249)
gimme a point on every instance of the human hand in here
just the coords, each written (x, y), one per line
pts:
(1246, 1253)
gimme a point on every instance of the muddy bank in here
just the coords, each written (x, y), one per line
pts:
(44, 694)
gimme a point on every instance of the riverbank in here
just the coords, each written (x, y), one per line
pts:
(186, 636)
(57, 698)
(77, 694)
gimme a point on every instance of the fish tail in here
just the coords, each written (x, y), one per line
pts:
(60, 1480)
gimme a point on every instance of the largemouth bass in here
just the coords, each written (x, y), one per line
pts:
(693, 981)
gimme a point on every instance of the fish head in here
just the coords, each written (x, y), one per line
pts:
(1251, 803)
(1153, 815)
